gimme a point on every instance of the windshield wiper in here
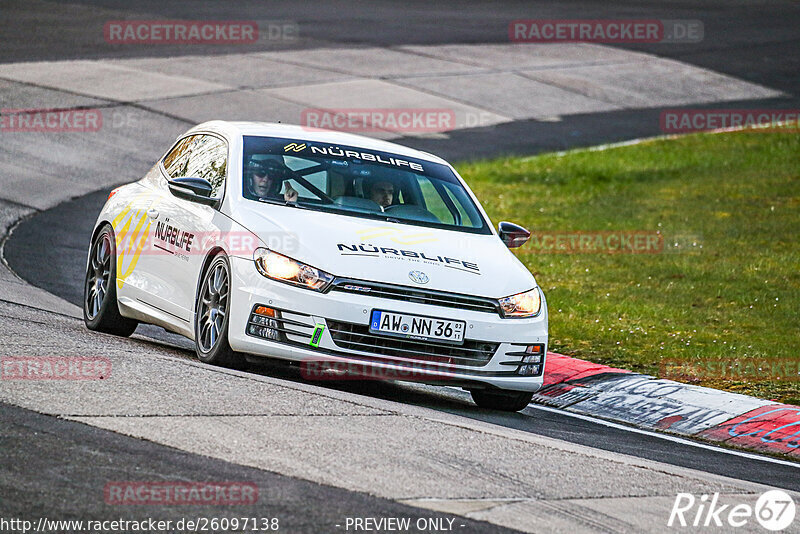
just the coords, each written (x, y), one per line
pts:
(375, 215)
(282, 203)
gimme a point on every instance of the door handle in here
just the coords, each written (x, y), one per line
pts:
(152, 213)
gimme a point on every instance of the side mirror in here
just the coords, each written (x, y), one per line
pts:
(194, 189)
(513, 235)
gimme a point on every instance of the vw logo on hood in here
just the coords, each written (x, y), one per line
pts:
(418, 277)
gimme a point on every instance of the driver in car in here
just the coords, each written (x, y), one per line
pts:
(264, 179)
(382, 192)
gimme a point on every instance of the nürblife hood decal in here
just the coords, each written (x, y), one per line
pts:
(414, 257)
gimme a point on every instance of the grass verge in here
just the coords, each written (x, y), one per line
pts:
(718, 304)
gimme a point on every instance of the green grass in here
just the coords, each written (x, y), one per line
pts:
(730, 290)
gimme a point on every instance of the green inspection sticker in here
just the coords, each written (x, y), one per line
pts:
(317, 335)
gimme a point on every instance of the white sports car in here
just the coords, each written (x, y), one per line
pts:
(329, 249)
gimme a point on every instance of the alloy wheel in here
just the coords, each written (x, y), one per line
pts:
(213, 306)
(99, 276)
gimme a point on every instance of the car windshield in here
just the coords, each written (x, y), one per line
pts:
(357, 182)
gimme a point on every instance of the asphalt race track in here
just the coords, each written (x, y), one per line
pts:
(29, 247)
(170, 418)
(96, 454)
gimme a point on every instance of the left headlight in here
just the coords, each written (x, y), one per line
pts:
(284, 269)
(527, 304)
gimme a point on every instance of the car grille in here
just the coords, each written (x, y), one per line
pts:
(421, 296)
(358, 337)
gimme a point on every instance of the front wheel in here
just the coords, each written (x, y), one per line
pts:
(212, 316)
(506, 401)
(100, 310)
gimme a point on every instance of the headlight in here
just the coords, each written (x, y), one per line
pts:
(284, 269)
(526, 304)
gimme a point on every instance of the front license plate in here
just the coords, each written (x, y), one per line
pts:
(417, 327)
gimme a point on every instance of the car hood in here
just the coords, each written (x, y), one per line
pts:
(374, 250)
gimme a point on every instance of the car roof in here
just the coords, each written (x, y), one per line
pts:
(291, 131)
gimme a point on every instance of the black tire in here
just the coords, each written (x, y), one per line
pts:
(100, 309)
(212, 316)
(506, 401)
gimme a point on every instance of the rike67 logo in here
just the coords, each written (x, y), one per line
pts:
(774, 510)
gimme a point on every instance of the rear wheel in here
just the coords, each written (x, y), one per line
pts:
(212, 316)
(506, 401)
(100, 310)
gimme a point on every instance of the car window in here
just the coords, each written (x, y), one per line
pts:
(433, 200)
(200, 156)
(357, 182)
(319, 179)
(176, 161)
(463, 204)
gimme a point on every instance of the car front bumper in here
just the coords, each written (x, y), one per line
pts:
(489, 357)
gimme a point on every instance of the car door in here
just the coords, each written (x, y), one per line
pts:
(181, 229)
(185, 229)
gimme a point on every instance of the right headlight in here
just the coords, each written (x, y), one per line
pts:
(285, 269)
(527, 304)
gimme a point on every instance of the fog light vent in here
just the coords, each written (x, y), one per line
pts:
(529, 370)
(263, 323)
(533, 360)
